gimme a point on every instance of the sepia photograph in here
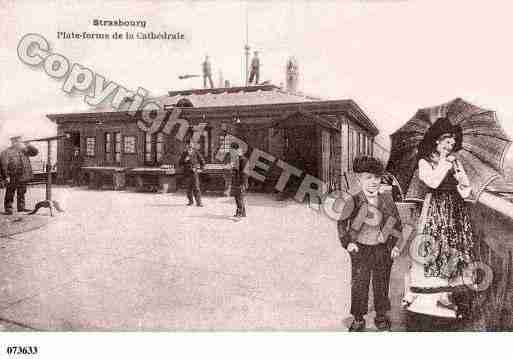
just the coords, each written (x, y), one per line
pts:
(244, 166)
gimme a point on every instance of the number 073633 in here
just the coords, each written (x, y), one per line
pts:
(21, 350)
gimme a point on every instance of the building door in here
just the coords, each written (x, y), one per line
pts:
(71, 142)
(254, 137)
(326, 153)
(300, 148)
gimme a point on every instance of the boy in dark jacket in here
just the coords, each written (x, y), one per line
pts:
(370, 234)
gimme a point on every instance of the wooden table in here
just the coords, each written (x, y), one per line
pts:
(164, 179)
(98, 175)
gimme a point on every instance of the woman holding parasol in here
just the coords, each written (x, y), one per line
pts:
(448, 226)
(444, 164)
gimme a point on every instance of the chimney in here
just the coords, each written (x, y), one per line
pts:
(221, 79)
(226, 83)
(292, 74)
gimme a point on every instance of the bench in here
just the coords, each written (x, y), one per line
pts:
(155, 178)
(98, 176)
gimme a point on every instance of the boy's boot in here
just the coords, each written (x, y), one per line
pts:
(382, 322)
(358, 325)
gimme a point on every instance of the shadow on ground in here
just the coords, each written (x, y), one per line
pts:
(20, 223)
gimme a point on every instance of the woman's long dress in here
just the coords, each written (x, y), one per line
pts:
(448, 224)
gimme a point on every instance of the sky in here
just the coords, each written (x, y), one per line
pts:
(391, 57)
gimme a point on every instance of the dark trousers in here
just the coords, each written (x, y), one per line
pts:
(370, 261)
(241, 206)
(193, 187)
(20, 189)
(227, 175)
(76, 176)
(254, 74)
(209, 77)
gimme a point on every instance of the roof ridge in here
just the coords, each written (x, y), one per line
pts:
(300, 93)
(203, 91)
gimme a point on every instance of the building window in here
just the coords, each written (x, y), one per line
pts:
(108, 147)
(90, 146)
(147, 148)
(117, 147)
(129, 144)
(154, 148)
(159, 147)
(205, 144)
(225, 141)
(357, 143)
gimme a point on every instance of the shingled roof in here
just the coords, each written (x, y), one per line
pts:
(242, 100)
(236, 96)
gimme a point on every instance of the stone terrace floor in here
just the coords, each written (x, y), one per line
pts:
(143, 261)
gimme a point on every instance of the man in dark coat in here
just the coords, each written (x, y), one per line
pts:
(239, 182)
(17, 171)
(76, 167)
(191, 162)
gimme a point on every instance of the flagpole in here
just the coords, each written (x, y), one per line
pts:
(246, 47)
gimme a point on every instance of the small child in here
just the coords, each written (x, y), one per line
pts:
(370, 234)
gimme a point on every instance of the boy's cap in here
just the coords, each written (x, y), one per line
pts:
(368, 164)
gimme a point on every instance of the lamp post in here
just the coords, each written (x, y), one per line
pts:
(48, 202)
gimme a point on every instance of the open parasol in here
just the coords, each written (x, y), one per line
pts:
(483, 146)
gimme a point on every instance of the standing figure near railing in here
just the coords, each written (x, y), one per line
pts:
(192, 161)
(17, 172)
(447, 222)
(76, 167)
(239, 180)
(227, 173)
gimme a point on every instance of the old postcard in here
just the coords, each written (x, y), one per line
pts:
(255, 166)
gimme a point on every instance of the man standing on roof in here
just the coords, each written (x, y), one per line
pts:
(255, 69)
(207, 73)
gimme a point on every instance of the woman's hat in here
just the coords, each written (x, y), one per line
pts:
(441, 126)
